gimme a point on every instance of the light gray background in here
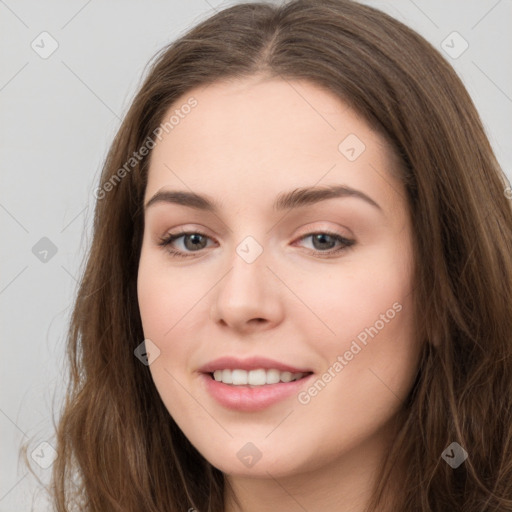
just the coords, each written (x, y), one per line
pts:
(58, 118)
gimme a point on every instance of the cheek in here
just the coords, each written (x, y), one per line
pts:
(154, 301)
(359, 293)
(165, 305)
(173, 309)
(366, 312)
(164, 296)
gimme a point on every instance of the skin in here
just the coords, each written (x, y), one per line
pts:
(244, 143)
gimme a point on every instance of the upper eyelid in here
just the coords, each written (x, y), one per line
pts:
(309, 231)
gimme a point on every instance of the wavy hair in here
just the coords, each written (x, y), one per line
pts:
(118, 447)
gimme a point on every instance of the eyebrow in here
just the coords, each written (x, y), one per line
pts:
(288, 200)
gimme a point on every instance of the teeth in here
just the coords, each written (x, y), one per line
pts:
(258, 377)
(226, 376)
(239, 377)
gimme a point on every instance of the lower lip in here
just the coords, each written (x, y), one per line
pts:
(244, 398)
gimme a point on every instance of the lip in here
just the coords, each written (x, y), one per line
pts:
(245, 398)
(251, 399)
(251, 363)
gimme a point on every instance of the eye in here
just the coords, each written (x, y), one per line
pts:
(192, 240)
(195, 241)
(322, 239)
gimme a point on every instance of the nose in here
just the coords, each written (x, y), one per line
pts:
(248, 297)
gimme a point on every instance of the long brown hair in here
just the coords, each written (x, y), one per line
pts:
(119, 449)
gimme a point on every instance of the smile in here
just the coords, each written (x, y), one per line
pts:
(253, 397)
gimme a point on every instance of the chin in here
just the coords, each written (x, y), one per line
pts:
(247, 460)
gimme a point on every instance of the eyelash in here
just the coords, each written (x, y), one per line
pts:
(346, 243)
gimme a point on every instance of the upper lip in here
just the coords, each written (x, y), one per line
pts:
(251, 363)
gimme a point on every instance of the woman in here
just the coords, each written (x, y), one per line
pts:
(268, 370)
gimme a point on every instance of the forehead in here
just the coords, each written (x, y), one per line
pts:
(248, 137)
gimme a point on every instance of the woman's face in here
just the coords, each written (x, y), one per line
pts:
(274, 282)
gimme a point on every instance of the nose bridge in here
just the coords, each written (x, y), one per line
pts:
(246, 293)
(248, 269)
(250, 250)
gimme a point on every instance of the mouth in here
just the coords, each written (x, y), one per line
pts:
(253, 390)
(256, 378)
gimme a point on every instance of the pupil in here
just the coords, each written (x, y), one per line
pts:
(321, 238)
(194, 239)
